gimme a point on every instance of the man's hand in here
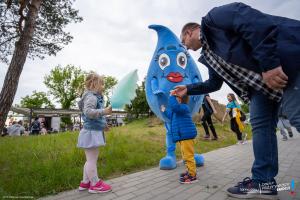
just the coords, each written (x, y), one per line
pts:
(180, 90)
(275, 78)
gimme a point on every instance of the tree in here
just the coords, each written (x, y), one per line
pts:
(34, 28)
(64, 83)
(36, 100)
(139, 104)
(110, 82)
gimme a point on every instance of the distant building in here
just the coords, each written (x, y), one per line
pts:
(51, 118)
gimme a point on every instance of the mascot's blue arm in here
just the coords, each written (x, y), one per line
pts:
(177, 107)
(154, 86)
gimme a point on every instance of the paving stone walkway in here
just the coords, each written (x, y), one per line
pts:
(223, 168)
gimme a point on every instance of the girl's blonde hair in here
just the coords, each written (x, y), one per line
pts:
(93, 81)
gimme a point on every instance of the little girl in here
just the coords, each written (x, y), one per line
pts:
(92, 135)
(184, 131)
(233, 109)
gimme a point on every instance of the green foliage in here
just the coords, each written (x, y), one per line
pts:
(64, 83)
(66, 121)
(245, 107)
(49, 36)
(36, 100)
(110, 82)
(139, 104)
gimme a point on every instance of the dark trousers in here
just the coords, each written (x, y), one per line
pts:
(235, 128)
(206, 121)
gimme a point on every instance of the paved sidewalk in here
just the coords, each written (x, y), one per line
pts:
(223, 168)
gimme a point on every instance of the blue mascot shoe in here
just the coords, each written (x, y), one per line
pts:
(199, 160)
(168, 163)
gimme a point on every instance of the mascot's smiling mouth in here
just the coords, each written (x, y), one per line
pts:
(174, 77)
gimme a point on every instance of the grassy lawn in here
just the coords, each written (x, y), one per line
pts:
(42, 165)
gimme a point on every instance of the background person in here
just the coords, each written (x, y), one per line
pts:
(206, 121)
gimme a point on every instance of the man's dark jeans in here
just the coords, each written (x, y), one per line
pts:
(264, 117)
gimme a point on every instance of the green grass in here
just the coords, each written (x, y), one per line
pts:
(42, 165)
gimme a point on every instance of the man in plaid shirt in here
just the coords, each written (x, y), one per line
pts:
(257, 55)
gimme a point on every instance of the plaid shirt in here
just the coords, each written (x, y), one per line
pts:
(239, 77)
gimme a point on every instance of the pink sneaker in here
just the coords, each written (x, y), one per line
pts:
(100, 187)
(84, 186)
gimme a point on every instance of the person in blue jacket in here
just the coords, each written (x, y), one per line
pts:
(183, 130)
(257, 55)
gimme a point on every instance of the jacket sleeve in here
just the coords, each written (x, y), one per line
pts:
(255, 27)
(89, 107)
(177, 107)
(213, 84)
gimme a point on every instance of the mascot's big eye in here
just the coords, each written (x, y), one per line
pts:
(163, 61)
(181, 60)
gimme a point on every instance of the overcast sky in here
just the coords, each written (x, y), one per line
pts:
(114, 39)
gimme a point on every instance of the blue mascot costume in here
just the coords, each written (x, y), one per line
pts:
(171, 65)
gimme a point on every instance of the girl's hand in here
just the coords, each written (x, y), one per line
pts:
(107, 111)
(162, 108)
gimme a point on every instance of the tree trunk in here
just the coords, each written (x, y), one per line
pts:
(12, 77)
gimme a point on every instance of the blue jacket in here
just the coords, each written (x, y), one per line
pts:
(251, 39)
(91, 105)
(182, 126)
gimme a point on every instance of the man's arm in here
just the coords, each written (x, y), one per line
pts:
(253, 26)
(213, 84)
